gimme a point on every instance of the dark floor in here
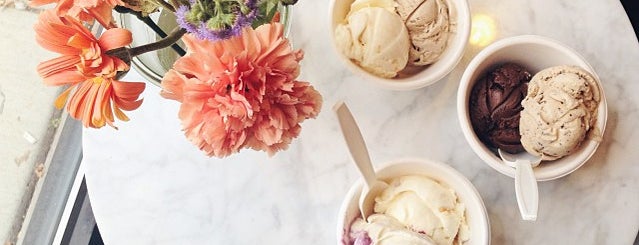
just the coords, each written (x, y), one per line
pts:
(632, 9)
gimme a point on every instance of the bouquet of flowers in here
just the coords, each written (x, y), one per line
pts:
(237, 81)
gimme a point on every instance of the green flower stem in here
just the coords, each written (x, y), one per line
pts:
(127, 54)
(175, 3)
(169, 40)
(218, 7)
(166, 5)
(149, 22)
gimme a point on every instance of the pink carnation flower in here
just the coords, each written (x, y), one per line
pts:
(241, 92)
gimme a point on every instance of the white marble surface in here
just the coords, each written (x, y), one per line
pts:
(148, 185)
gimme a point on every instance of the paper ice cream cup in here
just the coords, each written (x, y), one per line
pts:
(418, 77)
(534, 53)
(476, 215)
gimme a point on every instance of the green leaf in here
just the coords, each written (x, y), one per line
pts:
(266, 11)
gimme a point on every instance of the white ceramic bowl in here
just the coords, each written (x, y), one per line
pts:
(476, 215)
(534, 53)
(459, 14)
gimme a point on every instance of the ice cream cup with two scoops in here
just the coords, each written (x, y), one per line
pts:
(535, 53)
(400, 53)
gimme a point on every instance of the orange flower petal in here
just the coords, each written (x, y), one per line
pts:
(108, 111)
(120, 65)
(172, 85)
(62, 98)
(130, 90)
(65, 7)
(99, 119)
(79, 27)
(126, 94)
(75, 104)
(115, 38)
(60, 64)
(102, 14)
(53, 35)
(65, 77)
(195, 65)
(89, 102)
(79, 41)
(86, 3)
(119, 114)
(128, 105)
(192, 43)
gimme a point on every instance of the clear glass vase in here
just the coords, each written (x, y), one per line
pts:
(153, 65)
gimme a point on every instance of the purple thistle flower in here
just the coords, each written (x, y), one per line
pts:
(245, 20)
(194, 23)
(181, 19)
(203, 32)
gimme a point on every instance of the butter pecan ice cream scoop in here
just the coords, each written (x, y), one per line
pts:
(559, 111)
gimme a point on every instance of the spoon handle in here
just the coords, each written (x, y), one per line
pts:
(526, 191)
(355, 142)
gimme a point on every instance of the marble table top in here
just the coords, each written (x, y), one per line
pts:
(149, 185)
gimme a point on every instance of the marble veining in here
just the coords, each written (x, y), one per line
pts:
(149, 185)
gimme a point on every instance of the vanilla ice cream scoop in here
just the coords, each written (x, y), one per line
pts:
(425, 206)
(376, 39)
(559, 111)
(360, 4)
(428, 26)
(385, 230)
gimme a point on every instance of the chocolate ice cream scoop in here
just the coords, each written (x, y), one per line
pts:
(495, 105)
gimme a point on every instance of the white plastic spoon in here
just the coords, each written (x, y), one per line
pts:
(357, 148)
(525, 182)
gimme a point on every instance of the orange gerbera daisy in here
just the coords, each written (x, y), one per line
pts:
(91, 100)
(241, 92)
(84, 10)
(85, 65)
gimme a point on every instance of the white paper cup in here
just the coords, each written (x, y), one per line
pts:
(476, 216)
(457, 41)
(534, 53)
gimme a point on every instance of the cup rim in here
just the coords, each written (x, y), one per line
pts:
(463, 94)
(469, 190)
(414, 81)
